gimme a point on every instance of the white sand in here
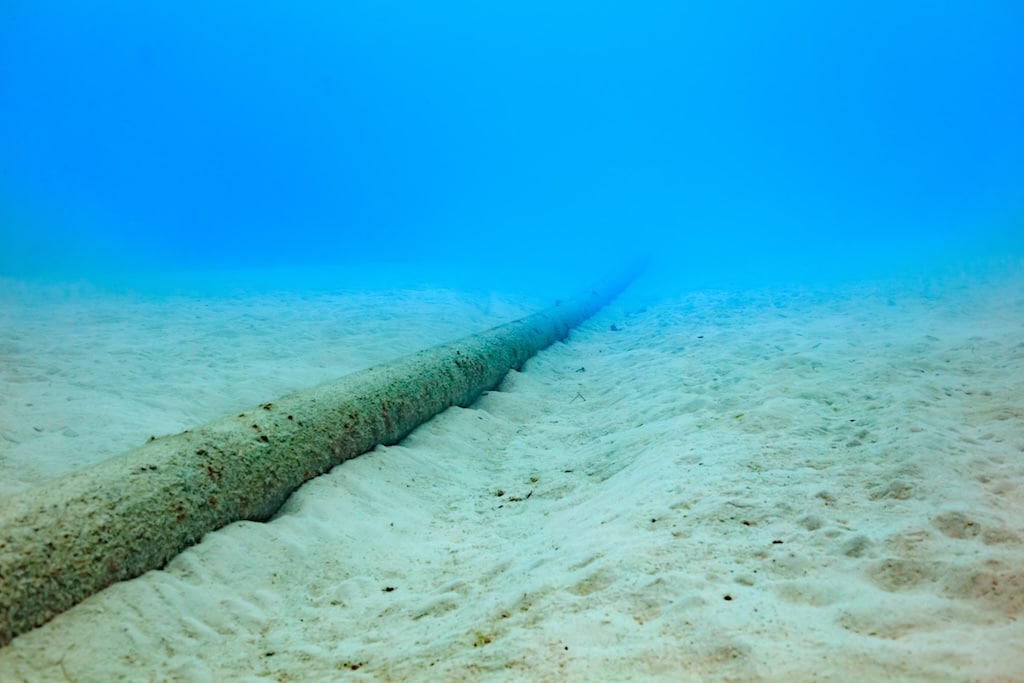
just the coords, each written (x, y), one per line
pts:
(764, 486)
(88, 375)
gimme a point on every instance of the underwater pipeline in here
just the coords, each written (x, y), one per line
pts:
(64, 540)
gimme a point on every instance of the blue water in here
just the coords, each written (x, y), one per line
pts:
(730, 142)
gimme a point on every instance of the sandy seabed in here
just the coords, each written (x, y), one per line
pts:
(738, 486)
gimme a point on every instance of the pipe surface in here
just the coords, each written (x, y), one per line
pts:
(64, 540)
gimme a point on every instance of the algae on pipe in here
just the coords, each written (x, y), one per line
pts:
(67, 539)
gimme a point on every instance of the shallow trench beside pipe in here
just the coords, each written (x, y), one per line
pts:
(62, 541)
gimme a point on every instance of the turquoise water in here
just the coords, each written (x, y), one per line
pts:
(788, 142)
